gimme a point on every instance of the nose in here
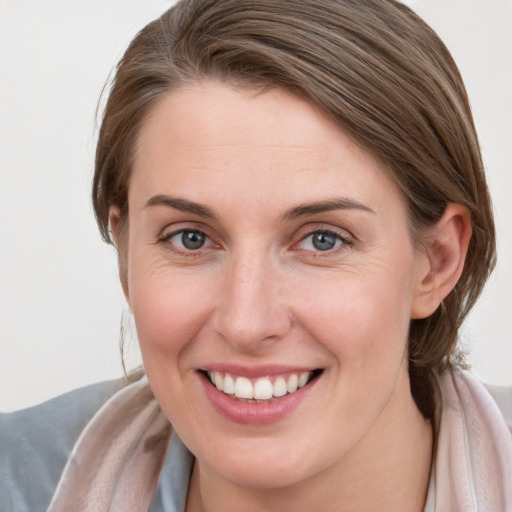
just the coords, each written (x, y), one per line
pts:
(252, 311)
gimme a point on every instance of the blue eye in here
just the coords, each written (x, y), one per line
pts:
(321, 241)
(187, 239)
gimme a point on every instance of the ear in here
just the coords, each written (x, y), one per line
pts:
(119, 230)
(447, 245)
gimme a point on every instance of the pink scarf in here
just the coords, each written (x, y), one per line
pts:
(117, 459)
(473, 465)
(116, 462)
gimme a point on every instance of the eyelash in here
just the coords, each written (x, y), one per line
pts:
(166, 237)
(345, 242)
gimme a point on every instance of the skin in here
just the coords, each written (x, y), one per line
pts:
(258, 292)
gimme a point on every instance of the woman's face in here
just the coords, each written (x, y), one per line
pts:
(266, 249)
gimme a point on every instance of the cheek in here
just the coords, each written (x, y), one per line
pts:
(361, 319)
(169, 310)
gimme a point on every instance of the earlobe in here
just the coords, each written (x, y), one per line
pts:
(447, 245)
(118, 228)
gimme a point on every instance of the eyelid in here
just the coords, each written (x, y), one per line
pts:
(166, 235)
(180, 226)
(315, 227)
(304, 232)
(172, 230)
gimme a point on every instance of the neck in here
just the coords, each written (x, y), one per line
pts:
(388, 470)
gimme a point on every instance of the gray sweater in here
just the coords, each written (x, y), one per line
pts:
(35, 444)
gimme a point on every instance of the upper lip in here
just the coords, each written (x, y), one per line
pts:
(265, 370)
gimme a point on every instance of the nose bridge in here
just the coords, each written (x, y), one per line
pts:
(251, 308)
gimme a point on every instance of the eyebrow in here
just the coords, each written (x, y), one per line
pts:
(187, 206)
(183, 205)
(325, 206)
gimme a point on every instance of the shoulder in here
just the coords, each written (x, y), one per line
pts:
(466, 394)
(502, 395)
(35, 444)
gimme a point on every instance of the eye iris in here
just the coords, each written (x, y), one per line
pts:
(192, 240)
(323, 241)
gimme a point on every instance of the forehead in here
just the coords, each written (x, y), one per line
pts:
(218, 142)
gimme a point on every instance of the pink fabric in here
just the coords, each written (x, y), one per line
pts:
(117, 460)
(473, 464)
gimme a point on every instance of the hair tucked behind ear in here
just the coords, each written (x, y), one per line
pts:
(374, 67)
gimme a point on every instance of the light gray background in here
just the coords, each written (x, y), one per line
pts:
(60, 302)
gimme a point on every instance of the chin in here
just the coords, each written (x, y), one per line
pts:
(262, 473)
(266, 462)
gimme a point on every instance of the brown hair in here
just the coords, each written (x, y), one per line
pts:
(374, 67)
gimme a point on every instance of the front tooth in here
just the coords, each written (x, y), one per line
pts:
(293, 383)
(229, 385)
(303, 379)
(279, 388)
(218, 380)
(243, 388)
(263, 389)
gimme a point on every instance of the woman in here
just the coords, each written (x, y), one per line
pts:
(297, 198)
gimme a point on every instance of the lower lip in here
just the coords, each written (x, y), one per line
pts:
(254, 413)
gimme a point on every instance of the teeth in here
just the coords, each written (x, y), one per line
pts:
(293, 383)
(218, 381)
(303, 379)
(279, 388)
(229, 385)
(243, 388)
(262, 389)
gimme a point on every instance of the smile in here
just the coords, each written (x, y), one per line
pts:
(257, 396)
(262, 388)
